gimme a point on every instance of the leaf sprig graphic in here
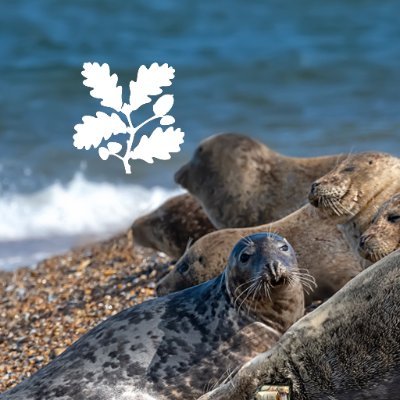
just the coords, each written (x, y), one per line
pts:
(94, 130)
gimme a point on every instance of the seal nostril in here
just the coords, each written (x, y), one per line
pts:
(314, 186)
(362, 241)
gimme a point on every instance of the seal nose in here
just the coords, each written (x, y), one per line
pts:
(363, 241)
(276, 270)
(314, 186)
(180, 176)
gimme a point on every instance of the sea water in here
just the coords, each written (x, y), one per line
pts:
(305, 77)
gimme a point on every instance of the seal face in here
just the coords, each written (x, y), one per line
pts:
(344, 192)
(240, 182)
(171, 226)
(179, 345)
(383, 235)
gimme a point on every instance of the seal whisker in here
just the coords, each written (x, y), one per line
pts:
(245, 283)
(249, 292)
(241, 294)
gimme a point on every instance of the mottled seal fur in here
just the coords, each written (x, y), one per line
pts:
(177, 346)
(171, 226)
(348, 348)
(241, 182)
(326, 241)
(383, 235)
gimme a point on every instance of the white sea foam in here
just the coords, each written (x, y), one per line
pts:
(36, 225)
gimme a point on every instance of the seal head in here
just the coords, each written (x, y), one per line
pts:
(345, 191)
(383, 235)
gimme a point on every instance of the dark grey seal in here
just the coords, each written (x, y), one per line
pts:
(179, 346)
(348, 348)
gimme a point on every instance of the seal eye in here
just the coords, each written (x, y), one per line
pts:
(393, 218)
(285, 247)
(183, 267)
(244, 257)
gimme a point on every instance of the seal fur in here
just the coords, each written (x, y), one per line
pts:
(383, 235)
(179, 345)
(348, 348)
(326, 243)
(241, 182)
(171, 226)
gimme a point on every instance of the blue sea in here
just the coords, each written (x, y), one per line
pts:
(305, 77)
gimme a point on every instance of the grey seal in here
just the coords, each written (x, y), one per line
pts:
(241, 182)
(348, 348)
(169, 228)
(383, 235)
(180, 345)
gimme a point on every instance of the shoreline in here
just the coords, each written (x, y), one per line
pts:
(45, 309)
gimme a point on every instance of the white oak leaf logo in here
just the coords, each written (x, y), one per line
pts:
(104, 85)
(98, 128)
(158, 145)
(95, 130)
(148, 83)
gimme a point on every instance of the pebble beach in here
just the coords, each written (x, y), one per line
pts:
(45, 309)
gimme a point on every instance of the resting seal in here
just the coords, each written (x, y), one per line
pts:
(348, 348)
(174, 347)
(383, 235)
(240, 182)
(171, 226)
(320, 246)
(328, 250)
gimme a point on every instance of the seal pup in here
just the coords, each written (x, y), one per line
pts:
(240, 182)
(174, 347)
(171, 226)
(326, 242)
(383, 235)
(348, 348)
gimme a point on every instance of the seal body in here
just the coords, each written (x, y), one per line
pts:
(173, 225)
(240, 182)
(348, 348)
(321, 247)
(180, 345)
(383, 235)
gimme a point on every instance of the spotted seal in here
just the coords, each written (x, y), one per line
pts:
(326, 241)
(348, 348)
(175, 346)
(240, 182)
(171, 226)
(383, 235)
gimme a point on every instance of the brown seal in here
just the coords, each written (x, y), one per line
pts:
(320, 246)
(383, 235)
(351, 193)
(176, 346)
(241, 182)
(171, 226)
(328, 250)
(348, 348)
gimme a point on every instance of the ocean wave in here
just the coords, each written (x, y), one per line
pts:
(79, 207)
(54, 219)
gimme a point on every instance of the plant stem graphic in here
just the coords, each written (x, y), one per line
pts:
(98, 130)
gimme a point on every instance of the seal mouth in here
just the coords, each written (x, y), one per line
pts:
(330, 202)
(280, 281)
